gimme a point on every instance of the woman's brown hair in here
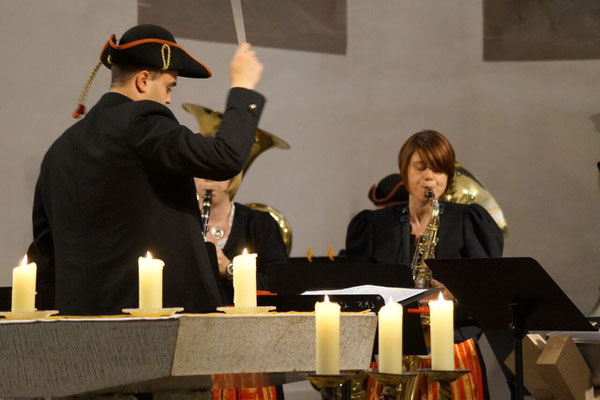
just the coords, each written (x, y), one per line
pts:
(434, 149)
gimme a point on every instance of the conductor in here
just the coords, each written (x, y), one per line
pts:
(120, 181)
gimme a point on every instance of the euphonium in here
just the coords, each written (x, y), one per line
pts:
(206, 204)
(425, 246)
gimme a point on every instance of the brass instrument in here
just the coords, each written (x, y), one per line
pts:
(467, 190)
(209, 122)
(205, 215)
(425, 246)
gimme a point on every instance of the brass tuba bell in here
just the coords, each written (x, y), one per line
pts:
(467, 189)
(209, 122)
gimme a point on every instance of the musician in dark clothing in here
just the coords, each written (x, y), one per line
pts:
(120, 182)
(388, 235)
(234, 227)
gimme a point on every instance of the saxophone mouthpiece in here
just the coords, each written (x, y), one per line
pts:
(429, 194)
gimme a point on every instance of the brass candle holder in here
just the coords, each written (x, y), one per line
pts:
(444, 379)
(395, 386)
(328, 385)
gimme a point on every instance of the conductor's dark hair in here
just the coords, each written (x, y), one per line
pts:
(123, 73)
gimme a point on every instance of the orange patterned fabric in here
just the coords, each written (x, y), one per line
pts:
(262, 393)
(469, 387)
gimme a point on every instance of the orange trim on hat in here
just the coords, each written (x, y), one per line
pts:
(112, 43)
(389, 196)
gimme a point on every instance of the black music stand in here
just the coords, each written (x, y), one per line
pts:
(298, 277)
(510, 292)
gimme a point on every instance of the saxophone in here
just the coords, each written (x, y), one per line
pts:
(205, 215)
(425, 246)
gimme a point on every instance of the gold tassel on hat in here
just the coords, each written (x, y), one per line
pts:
(80, 109)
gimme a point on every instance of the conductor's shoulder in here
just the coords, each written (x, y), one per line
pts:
(149, 107)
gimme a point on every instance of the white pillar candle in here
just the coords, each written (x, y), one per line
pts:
(23, 287)
(442, 334)
(390, 338)
(327, 326)
(244, 280)
(151, 282)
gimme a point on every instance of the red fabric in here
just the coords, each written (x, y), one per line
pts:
(79, 111)
(469, 387)
(263, 393)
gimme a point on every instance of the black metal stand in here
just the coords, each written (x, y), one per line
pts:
(518, 294)
(518, 333)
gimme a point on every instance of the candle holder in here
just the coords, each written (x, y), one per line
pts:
(246, 310)
(328, 385)
(395, 386)
(444, 379)
(35, 314)
(152, 312)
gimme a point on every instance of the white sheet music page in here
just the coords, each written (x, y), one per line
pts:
(396, 294)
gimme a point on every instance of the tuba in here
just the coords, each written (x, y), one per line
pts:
(467, 190)
(209, 122)
(425, 246)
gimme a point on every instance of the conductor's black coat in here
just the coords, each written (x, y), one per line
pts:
(119, 183)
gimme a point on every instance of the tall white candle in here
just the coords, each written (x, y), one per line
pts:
(390, 338)
(442, 334)
(23, 287)
(244, 280)
(327, 325)
(151, 282)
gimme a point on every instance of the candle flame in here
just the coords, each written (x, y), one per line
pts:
(441, 297)
(148, 255)
(245, 252)
(326, 300)
(24, 262)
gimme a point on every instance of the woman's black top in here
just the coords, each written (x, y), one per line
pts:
(383, 236)
(258, 232)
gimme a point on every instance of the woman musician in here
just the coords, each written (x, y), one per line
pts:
(233, 227)
(389, 235)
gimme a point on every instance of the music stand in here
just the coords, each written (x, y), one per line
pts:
(295, 278)
(510, 292)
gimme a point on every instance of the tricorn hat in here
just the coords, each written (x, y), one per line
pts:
(145, 46)
(390, 189)
(154, 47)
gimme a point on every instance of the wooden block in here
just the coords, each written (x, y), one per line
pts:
(532, 348)
(565, 371)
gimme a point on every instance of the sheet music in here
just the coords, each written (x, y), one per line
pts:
(395, 294)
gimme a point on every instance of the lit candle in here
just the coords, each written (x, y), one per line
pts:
(244, 280)
(390, 338)
(23, 287)
(151, 282)
(327, 326)
(442, 334)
